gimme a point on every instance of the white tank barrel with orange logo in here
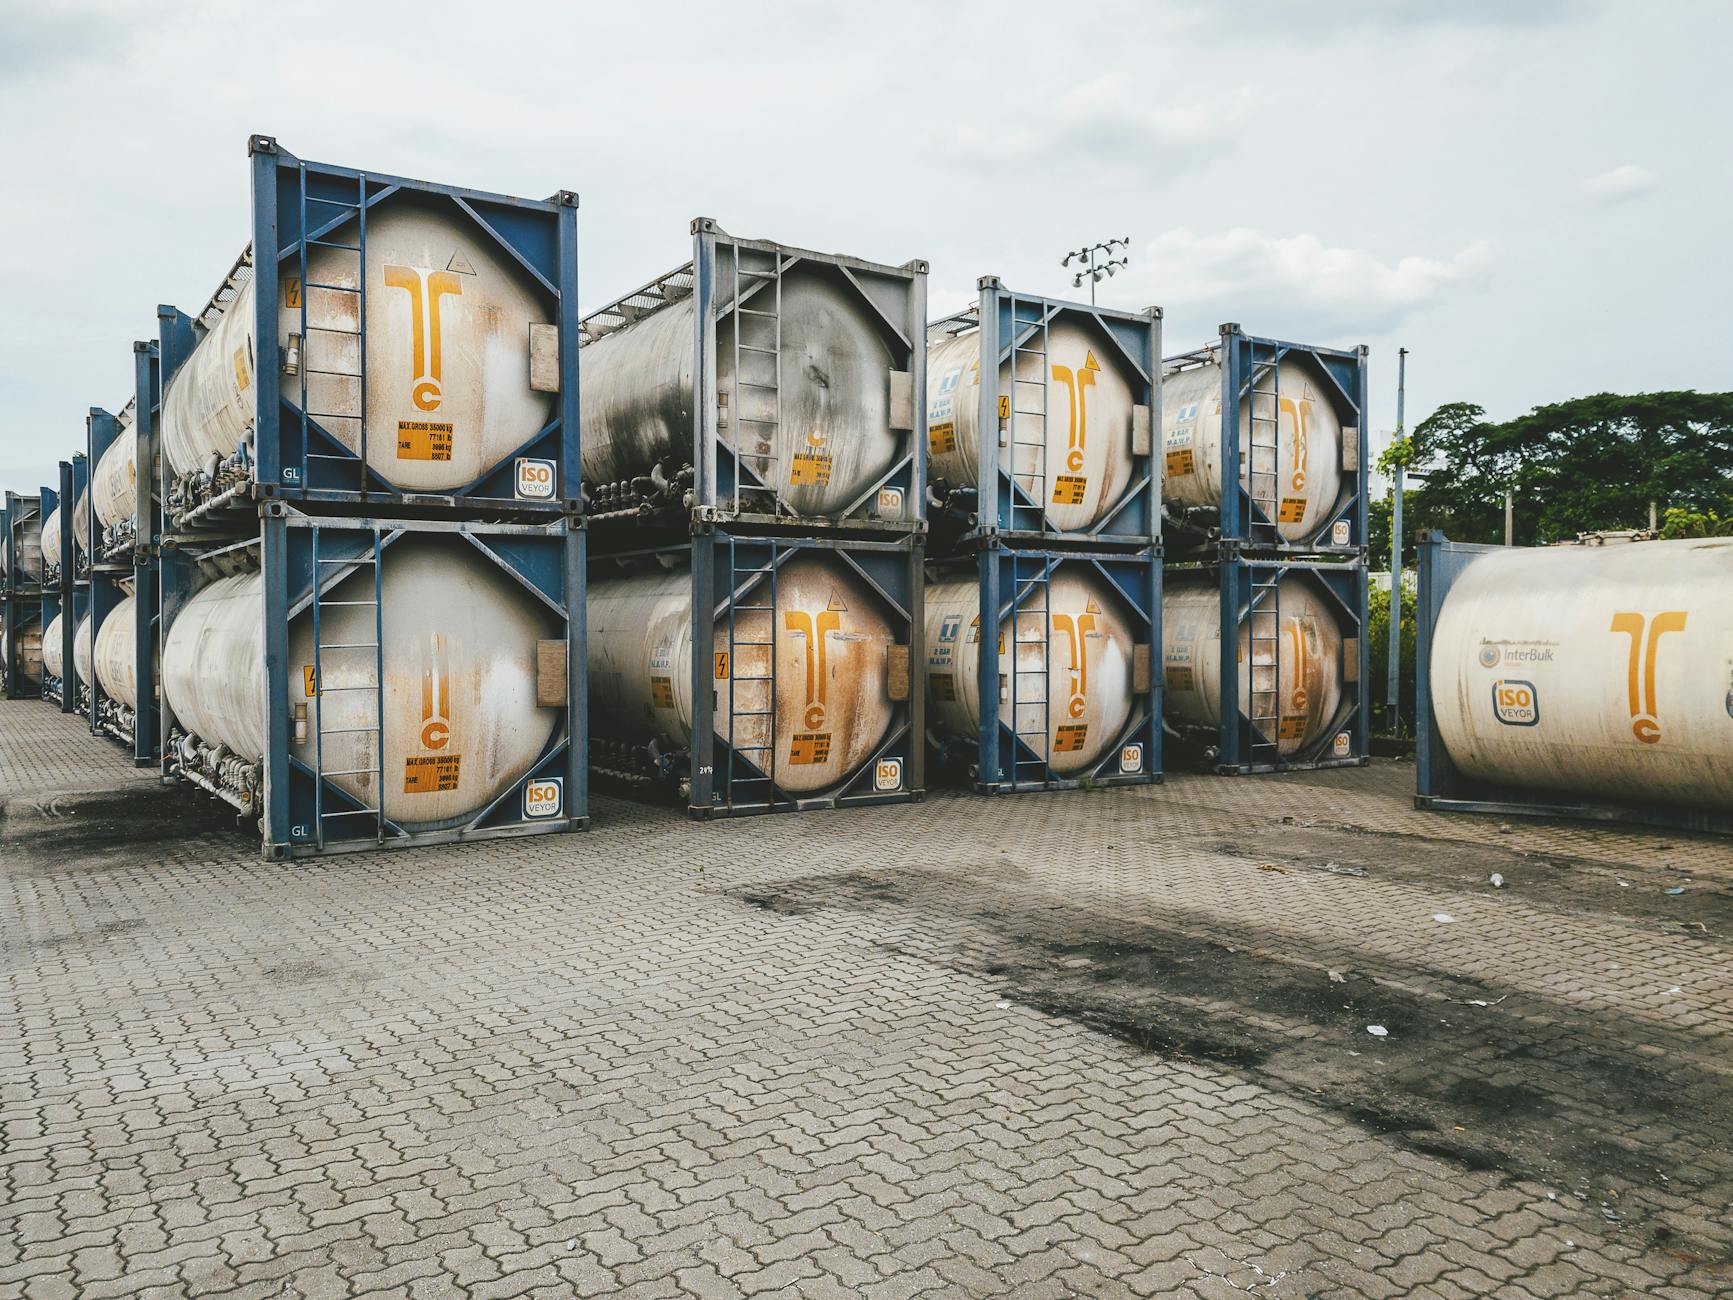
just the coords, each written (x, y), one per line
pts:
(1290, 661)
(1592, 670)
(1298, 481)
(816, 424)
(448, 394)
(461, 723)
(53, 656)
(824, 695)
(1066, 426)
(49, 540)
(114, 481)
(1071, 664)
(82, 668)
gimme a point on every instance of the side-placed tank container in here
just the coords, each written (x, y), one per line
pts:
(359, 683)
(761, 672)
(1065, 419)
(20, 596)
(1076, 702)
(1264, 663)
(1586, 681)
(1292, 479)
(382, 344)
(124, 598)
(759, 382)
(64, 611)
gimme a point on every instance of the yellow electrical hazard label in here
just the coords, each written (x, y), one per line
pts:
(1004, 408)
(1068, 489)
(809, 469)
(943, 686)
(942, 438)
(1179, 678)
(721, 665)
(1292, 726)
(1070, 738)
(431, 774)
(1179, 463)
(662, 691)
(810, 748)
(309, 680)
(423, 440)
(292, 293)
(1291, 511)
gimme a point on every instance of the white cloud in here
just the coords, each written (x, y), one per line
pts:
(1255, 276)
(1620, 184)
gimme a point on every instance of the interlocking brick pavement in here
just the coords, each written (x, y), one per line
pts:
(1076, 1044)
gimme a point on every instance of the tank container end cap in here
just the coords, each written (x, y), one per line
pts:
(261, 144)
(564, 198)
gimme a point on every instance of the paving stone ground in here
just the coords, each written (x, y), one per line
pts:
(1099, 1044)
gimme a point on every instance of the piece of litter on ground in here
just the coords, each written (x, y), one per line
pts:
(1570, 1244)
(1504, 828)
(1002, 1006)
(1336, 977)
(1377, 1031)
(1497, 880)
(572, 1244)
(1479, 1002)
(1337, 869)
(1270, 866)
(1623, 884)
(1674, 889)
(1674, 989)
(1444, 918)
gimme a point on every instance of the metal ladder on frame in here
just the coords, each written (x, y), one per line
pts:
(375, 688)
(1263, 707)
(1263, 468)
(764, 755)
(1031, 518)
(766, 464)
(358, 210)
(1029, 581)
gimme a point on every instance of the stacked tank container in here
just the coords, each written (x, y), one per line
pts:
(1264, 472)
(126, 533)
(1047, 571)
(756, 489)
(1591, 681)
(21, 597)
(65, 586)
(370, 562)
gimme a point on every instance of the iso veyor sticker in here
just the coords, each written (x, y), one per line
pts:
(535, 480)
(542, 796)
(1516, 704)
(1339, 533)
(1343, 744)
(888, 774)
(1130, 759)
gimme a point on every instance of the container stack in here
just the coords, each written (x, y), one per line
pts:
(21, 597)
(370, 556)
(1265, 494)
(756, 488)
(1046, 576)
(66, 585)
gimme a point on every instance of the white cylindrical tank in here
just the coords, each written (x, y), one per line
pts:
(49, 538)
(1073, 668)
(1082, 442)
(81, 522)
(115, 478)
(460, 713)
(53, 660)
(82, 668)
(115, 653)
(1290, 677)
(29, 665)
(1303, 474)
(1597, 671)
(834, 437)
(448, 354)
(827, 687)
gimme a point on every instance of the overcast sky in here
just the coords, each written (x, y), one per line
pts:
(1535, 198)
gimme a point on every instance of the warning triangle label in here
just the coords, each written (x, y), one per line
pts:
(1089, 361)
(1091, 607)
(836, 603)
(460, 264)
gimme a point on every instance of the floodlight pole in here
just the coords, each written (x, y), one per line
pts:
(1093, 269)
(1392, 684)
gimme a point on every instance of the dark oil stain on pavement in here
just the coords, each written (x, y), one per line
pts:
(89, 830)
(1588, 1100)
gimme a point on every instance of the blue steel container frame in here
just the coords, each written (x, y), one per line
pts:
(1345, 371)
(1346, 586)
(538, 236)
(546, 558)
(999, 754)
(1441, 786)
(20, 601)
(897, 294)
(72, 589)
(722, 561)
(1006, 320)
